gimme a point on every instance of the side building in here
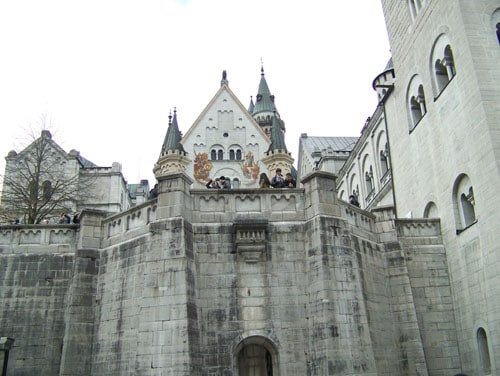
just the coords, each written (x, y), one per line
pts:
(43, 180)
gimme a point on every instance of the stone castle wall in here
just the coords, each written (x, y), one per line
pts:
(145, 294)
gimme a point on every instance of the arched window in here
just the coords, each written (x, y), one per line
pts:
(220, 155)
(484, 352)
(33, 192)
(213, 155)
(464, 203)
(384, 166)
(369, 181)
(236, 183)
(231, 155)
(444, 69)
(416, 102)
(238, 155)
(47, 190)
(467, 203)
(498, 32)
(442, 63)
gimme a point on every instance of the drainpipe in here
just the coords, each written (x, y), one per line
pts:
(390, 88)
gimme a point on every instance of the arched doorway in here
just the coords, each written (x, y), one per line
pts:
(256, 356)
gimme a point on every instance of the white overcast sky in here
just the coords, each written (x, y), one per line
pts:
(106, 73)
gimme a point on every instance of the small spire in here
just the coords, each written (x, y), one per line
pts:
(277, 136)
(251, 106)
(173, 136)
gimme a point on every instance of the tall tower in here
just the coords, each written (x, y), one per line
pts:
(265, 113)
(443, 119)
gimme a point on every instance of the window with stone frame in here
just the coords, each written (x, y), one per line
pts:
(384, 160)
(484, 351)
(464, 203)
(47, 190)
(235, 153)
(442, 64)
(444, 69)
(498, 32)
(417, 107)
(369, 181)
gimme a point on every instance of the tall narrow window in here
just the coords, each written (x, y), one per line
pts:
(220, 155)
(467, 202)
(417, 106)
(369, 182)
(449, 62)
(47, 190)
(213, 155)
(464, 203)
(383, 162)
(231, 155)
(498, 32)
(484, 352)
(238, 155)
(444, 69)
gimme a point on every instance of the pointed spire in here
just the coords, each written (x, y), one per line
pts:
(173, 136)
(264, 100)
(277, 136)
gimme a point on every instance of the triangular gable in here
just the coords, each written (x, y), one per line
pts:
(50, 141)
(224, 88)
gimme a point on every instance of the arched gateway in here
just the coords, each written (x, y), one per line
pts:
(256, 356)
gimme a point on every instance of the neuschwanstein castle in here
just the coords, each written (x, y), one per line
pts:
(286, 281)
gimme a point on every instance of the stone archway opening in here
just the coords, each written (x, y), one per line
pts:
(256, 356)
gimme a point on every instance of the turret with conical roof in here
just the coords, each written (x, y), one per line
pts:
(267, 116)
(264, 108)
(173, 158)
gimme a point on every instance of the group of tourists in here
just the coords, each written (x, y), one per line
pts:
(219, 183)
(278, 180)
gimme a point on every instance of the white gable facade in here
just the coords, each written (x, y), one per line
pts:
(225, 141)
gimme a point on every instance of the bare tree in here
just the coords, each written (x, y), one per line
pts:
(42, 181)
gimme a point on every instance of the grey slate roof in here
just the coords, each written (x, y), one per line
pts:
(317, 144)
